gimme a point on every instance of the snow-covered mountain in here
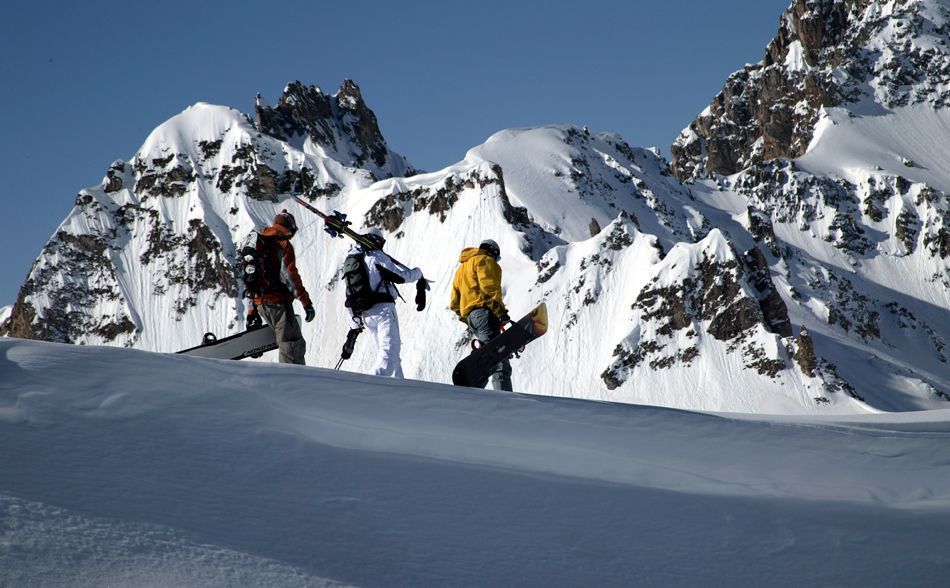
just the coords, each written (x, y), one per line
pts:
(127, 468)
(867, 56)
(732, 279)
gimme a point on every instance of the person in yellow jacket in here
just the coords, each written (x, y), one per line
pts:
(476, 300)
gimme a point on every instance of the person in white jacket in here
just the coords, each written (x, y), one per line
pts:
(380, 317)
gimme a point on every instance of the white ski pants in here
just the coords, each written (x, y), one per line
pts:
(382, 323)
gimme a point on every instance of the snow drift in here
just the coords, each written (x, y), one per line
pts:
(127, 467)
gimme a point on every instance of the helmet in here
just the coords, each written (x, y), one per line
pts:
(375, 237)
(285, 219)
(491, 248)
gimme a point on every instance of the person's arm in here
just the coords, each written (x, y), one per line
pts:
(489, 282)
(290, 264)
(408, 275)
(455, 298)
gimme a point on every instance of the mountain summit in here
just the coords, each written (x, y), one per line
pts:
(861, 55)
(339, 127)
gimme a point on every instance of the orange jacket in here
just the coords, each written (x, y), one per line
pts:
(477, 284)
(288, 270)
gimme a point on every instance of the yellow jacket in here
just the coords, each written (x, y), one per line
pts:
(477, 284)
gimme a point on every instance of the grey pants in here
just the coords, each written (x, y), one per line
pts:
(289, 338)
(485, 326)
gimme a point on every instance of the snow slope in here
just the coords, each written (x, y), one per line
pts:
(592, 226)
(121, 467)
(814, 279)
(856, 226)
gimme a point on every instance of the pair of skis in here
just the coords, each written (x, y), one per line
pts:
(338, 226)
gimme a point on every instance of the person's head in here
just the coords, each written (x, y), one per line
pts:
(491, 248)
(286, 220)
(375, 236)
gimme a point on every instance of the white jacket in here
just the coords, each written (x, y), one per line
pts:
(376, 259)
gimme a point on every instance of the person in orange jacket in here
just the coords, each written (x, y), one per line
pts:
(275, 304)
(476, 299)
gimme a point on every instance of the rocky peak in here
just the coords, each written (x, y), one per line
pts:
(350, 97)
(826, 53)
(338, 126)
(815, 25)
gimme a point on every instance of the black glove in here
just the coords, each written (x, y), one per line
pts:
(309, 312)
(421, 288)
(504, 318)
(254, 319)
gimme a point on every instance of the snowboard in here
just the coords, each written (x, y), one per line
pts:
(474, 369)
(251, 343)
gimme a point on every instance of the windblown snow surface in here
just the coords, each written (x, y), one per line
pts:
(129, 468)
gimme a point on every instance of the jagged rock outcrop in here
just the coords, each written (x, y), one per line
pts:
(703, 289)
(826, 53)
(805, 354)
(171, 215)
(73, 292)
(844, 213)
(340, 126)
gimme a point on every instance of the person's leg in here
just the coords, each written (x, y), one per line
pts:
(290, 341)
(501, 376)
(388, 341)
(371, 322)
(485, 326)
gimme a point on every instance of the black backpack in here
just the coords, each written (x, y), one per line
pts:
(260, 268)
(359, 295)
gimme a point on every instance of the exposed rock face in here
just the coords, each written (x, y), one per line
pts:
(805, 354)
(159, 216)
(844, 213)
(342, 124)
(76, 275)
(713, 295)
(774, 310)
(820, 57)
(389, 212)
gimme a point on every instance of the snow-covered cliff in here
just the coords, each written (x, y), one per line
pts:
(814, 284)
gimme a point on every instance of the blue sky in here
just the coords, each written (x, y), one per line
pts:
(85, 82)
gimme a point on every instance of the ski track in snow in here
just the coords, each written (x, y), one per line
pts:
(122, 467)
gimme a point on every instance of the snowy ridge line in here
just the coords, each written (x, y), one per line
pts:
(808, 286)
(233, 404)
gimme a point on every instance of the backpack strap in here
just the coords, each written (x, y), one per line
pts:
(389, 277)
